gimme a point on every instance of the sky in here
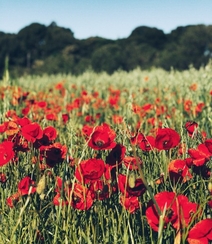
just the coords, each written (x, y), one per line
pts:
(112, 19)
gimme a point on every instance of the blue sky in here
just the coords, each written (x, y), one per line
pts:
(111, 19)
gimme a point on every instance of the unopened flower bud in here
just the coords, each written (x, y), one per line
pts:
(131, 179)
(42, 196)
(41, 185)
(210, 186)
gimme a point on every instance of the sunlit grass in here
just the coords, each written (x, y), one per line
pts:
(35, 219)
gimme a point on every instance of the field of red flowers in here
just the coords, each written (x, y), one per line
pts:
(124, 158)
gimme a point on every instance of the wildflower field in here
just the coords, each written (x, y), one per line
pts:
(97, 158)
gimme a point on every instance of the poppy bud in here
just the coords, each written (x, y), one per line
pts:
(131, 179)
(210, 187)
(42, 196)
(41, 185)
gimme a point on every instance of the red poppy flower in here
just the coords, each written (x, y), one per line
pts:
(13, 199)
(90, 119)
(116, 155)
(24, 186)
(102, 138)
(131, 162)
(25, 111)
(129, 188)
(6, 152)
(81, 197)
(135, 137)
(187, 105)
(20, 144)
(87, 131)
(189, 162)
(59, 200)
(49, 135)
(186, 211)
(90, 170)
(65, 118)
(117, 119)
(166, 139)
(77, 103)
(3, 177)
(50, 132)
(100, 190)
(51, 116)
(191, 127)
(24, 121)
(31, 132)
(200, 156)
(43, 142)
(178, 208)
(66, 186)
(208, 144)
(130, 203)
(163, 199)
(136, 108)
(199, 107)
(147, 143)
(147, 107)
(59, 183)
(179, 171)
(62, 197)
(54, 153)
(11, 128)
(201, 233)
(41, 104)
(11, 114)
(110, 172)
(3, 127)
(78, 196)
(160, 109)
(193, 87)
(209, 203)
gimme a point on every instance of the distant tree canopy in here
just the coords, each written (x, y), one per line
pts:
(38, 49)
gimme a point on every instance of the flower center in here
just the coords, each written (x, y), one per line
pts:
(57, 151)
(165, 143)
(99, 143)
(76, 199)
(170, 213)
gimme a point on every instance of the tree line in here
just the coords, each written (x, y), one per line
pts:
(38, 49)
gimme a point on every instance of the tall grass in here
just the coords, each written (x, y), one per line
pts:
(35, 219)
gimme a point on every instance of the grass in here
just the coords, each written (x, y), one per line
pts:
(173, 100)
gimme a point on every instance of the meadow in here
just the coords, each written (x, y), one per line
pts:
(98, 158)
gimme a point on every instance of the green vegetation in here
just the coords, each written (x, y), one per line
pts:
(38, 49)
(62, 182)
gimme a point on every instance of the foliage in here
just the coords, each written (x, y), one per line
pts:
(38, 49)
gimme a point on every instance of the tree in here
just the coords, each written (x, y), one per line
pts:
(107, 58)
(152, 36)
